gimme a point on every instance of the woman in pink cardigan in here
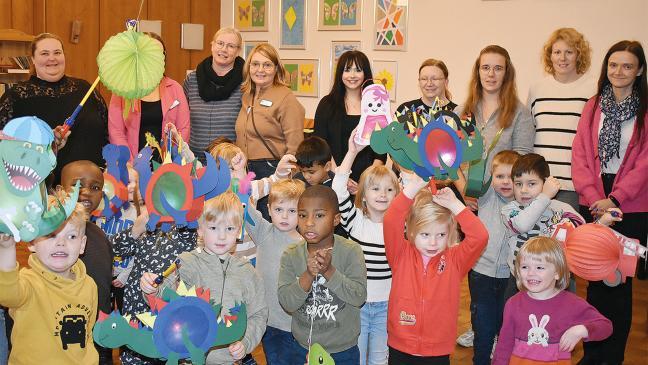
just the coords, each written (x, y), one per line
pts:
(610, 170)
(166, 104)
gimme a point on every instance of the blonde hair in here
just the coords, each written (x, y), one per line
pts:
(287, 189)
(574, 39)
(508, 99)
(79, 215)
(505, 157)
(225, 206)
(271, 53)
(229, 30)
(371, 176)
(225, 150)
(551, 251)
(425, 211)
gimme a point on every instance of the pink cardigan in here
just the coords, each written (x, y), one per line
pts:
(126, 132)
(632, 178)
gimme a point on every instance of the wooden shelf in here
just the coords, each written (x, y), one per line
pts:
(14, 43)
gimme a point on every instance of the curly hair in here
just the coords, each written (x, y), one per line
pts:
(574, 39)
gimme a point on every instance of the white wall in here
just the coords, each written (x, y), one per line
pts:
(456, 30)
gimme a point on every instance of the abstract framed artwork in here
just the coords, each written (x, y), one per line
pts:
(303, 76)
(337, 49)
(390, 25)
(339, 14)
(251, 15)
(248, 45)
(386, 72)
(293, 24)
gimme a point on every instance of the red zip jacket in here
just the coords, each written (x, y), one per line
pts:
(424, 303)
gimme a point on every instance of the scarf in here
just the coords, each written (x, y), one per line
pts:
(615, 114)
(212, 87)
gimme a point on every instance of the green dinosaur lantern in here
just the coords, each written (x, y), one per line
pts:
(183, 324)
(27, 158)
(318, 356)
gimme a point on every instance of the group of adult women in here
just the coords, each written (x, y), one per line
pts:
(248, 101)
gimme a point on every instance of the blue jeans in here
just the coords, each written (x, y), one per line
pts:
(275, 342)
(4, 351)
(487, 299)
(372, 342)
(346, 357)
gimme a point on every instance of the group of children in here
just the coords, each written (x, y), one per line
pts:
(389, 293)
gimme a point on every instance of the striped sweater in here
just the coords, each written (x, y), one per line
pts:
(210, 119)
(369, 235)
(556, 108)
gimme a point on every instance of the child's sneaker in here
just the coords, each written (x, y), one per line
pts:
(466, 338)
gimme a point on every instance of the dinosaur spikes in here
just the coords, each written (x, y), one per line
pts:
(134, 323)
(203, 294)
(102, 316)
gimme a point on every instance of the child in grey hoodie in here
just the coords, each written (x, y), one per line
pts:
(231, 280)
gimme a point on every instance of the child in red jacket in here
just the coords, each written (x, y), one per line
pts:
(427, 267)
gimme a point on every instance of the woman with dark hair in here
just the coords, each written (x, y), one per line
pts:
(505, 124)
(338, 113)
(52, 96)
(609, 170)
(166, 104)
(433, 83)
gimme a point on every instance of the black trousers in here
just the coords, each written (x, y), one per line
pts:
(615, 303)
(400, 358)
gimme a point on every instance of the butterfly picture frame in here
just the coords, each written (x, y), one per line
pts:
(303, 76)
(339, 15)
(251, 15)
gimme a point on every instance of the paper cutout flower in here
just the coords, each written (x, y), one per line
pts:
(386, 78)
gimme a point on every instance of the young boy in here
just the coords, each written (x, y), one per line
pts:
(323, 281)
(314, 162)
(488, 279)
(272, 239)
(54, 302)
(231, 280)
(534, 212)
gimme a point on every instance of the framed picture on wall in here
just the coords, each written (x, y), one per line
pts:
(303, 76)
(293, 24)
(248, 45)
(390, 25)
(339, 47)
(251, 15)
(386, 72)
(339, 14)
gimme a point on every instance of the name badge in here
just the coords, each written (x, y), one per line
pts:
(265, 102)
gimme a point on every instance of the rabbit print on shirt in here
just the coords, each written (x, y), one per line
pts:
(538, 335)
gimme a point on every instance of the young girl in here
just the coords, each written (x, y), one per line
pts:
(543, 322)
(428, 268)
(363, 221)
(230, 279)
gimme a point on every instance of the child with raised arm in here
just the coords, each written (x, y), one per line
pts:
(427, 270)
(271, 240)
(543, 322)
(53, 302)
(534, 212)
(323, 281)
(231, 280)
(363, 220)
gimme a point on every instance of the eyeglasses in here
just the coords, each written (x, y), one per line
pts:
(267, 66)
(487, 68)
(230, 46)
(424, 80)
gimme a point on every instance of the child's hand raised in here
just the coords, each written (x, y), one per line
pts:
(551, 187)
(413, 185)
(139, 226)
(238, 162)
(353, 146)
(147, 283)
(572, 336)
(447, 199)
(285, 166)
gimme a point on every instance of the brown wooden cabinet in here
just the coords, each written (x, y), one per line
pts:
(13, 44)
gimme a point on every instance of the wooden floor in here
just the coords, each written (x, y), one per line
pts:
(636, 350)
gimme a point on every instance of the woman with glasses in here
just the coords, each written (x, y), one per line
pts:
(505, 124)
(338, 113)
(557, 102)
(166, 104)
(433, 83)
(214, 91)
(270, 123)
